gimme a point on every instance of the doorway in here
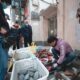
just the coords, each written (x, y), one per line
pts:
(52, 29)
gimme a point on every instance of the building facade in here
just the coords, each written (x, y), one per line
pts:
(67, 23)
(35, 6)
(68, 26)
(59, 20)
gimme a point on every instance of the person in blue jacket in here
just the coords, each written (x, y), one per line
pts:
(4, 28)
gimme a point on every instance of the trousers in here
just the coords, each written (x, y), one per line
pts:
(3, 60)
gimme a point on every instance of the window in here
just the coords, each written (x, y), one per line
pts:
(35, 2)
(35, 15)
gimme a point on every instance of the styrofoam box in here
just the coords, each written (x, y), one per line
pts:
(23, 53)
(27, 63)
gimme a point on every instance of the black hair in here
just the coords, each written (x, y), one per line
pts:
(17, 22)
(52, 39)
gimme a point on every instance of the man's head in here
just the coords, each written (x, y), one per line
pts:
(52, 41)
(16, 24)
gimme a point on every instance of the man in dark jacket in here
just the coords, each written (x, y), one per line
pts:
(26, 32)
(14, 32)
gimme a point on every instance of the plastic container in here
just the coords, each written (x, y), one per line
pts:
(23, 53)
(27, 63)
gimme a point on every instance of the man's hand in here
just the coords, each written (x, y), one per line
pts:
(3, 31)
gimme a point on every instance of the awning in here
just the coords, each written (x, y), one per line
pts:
(49, 12)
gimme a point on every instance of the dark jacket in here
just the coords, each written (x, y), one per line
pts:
(3, 21)
(26, 32)
(14, 32)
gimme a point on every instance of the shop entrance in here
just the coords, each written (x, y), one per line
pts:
(52, 26)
